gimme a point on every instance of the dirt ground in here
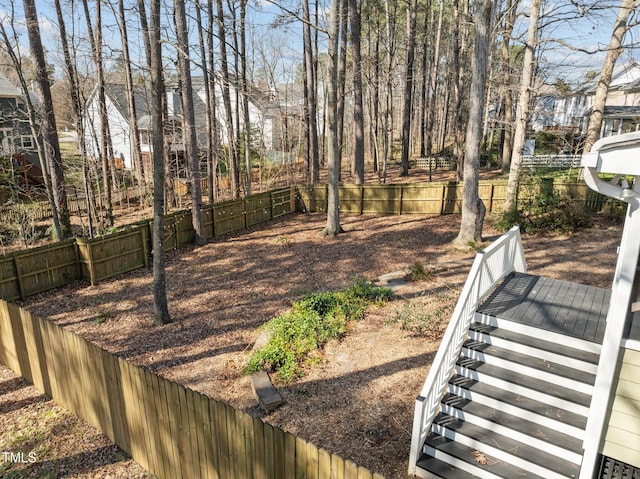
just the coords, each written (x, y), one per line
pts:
(358, 400)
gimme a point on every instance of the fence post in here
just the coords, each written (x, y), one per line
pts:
(16, 261)
(401, 194)
(92, 272)
(145, 249)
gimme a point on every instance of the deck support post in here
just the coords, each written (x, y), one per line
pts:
(607, 155)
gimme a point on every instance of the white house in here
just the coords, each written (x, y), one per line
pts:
(263, 115)
(622, 107)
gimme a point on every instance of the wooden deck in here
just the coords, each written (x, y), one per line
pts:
(572, 309)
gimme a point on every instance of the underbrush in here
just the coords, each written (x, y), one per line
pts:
(543, 209)
(312, 321)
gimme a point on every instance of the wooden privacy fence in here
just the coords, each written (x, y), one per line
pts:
(35, 270)
(435, 198)
(170, 430)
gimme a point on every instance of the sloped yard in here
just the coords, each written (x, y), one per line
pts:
(358, 399)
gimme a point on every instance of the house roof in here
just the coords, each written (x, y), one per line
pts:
(8, 89)
(621, 111)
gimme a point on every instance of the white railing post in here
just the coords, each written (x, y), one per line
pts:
(619, 309)
(485, 274)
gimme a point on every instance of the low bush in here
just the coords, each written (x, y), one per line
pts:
(542, 209)
(312, 321)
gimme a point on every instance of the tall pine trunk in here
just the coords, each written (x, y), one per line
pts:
(189, 118)
(160, 306)
(473, 208)
(50, 130)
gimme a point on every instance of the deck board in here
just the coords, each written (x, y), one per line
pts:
(573, 309)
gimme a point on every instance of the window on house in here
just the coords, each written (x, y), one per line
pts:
(27, 142)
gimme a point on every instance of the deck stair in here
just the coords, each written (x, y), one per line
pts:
(516, 405)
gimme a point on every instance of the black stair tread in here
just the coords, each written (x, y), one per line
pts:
(532, 383)
(508, 397)
(515, 423)
(532, 362)
(514, 448)
(472, 456)
(537, 343)
(441, 469)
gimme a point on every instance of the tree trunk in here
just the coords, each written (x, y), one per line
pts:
(34, 124)
(522, 110)
(50, 133)
(408, 86)
(358, 107)
(189, 118)
(312, 113)
(245, 92)
(96, 48)
(613, 52)
(433, 77)
(160, 306)
(507, 130)
(234, 165)
(78, 109)
(333, 227)
(133, 114)
(209, 96)
(473, 208)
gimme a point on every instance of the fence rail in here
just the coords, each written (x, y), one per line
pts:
(35, 270)
(435, 198)
(551, 161)
(490, 266)
(32, 271)
(170, 430)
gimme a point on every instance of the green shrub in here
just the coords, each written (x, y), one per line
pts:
(543, 209)
(312, 321)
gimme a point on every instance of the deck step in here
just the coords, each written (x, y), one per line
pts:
(510, 425)
(515, 453)
(571, 357)
(554, 394)
(563, 420)
(527, 330)
(530, 365)
(516, 406)
(449, 459)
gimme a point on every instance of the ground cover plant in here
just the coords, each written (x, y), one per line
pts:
(312, 321)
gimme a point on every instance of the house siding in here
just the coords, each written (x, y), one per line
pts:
(622, 438)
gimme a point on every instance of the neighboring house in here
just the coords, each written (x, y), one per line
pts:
(622, 109)
(16, 139)
(263, 114)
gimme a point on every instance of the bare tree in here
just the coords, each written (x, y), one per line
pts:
(245, 92)
(160, 306)
(78, 109)
(333, 226)
(50, 130)
(189, 126)
(408, 90)
(133, 114)
(311, 112)
(522, 111)
(105, 136)
(209, 93)
(234, 166)
(358, 106)
(14, 54)
(473, 208)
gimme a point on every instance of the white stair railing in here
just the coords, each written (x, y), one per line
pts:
(490, 266)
